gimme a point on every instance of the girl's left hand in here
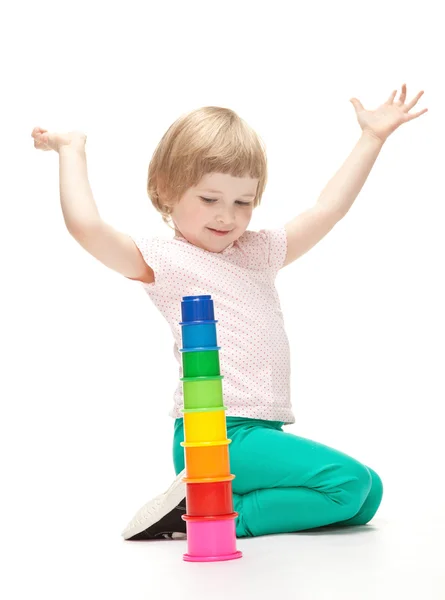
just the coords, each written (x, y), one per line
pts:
(384, 120)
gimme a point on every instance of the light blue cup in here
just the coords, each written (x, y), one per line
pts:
(199, 335)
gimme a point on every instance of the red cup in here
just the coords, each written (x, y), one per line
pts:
(209, 499)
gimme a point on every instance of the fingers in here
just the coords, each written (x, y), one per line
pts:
(356, 104)
(38, 131)
(407, 107)
(41, 138)
(412, 116)
(414, 101)
(402, 94)
(391, 98)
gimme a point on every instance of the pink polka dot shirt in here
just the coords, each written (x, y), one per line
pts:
(254, 355)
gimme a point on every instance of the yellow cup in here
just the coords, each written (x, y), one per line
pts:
(205, 426)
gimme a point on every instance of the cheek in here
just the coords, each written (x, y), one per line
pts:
(246, 216)
(199, 214)
(196, 215)
(185, 212)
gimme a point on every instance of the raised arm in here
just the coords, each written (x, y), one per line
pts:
(114, 249)
(311, 226)
(308, 228)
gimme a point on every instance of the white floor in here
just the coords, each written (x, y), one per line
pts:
(388, 559)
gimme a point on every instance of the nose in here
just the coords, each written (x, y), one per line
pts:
(225, 215)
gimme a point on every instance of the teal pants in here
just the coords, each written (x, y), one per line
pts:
(285, 483)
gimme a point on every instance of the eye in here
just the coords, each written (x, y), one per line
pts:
(210, 200)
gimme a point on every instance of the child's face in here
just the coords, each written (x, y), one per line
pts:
(229, 210)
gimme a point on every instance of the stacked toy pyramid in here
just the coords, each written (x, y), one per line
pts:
(210, 519)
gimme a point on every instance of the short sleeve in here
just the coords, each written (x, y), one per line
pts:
(264, 249)
(151, 250)
(276, 247)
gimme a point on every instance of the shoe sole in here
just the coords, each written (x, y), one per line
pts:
(154, 510)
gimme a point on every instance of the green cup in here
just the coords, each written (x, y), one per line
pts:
(203, 392)
(201, 364)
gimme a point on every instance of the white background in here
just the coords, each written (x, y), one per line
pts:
(88, 371)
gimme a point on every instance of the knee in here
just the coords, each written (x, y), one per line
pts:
(365, 503)
(357, 486)
(376, 492)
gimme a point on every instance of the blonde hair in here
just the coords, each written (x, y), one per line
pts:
(207, 140)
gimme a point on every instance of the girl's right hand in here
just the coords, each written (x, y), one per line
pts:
(55, 141)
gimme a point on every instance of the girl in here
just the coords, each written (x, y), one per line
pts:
(206, 176)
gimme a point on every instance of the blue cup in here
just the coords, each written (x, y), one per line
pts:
(199, 335)
(197, 308)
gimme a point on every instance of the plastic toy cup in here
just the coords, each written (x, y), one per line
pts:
(205, 425)
(200, 349)
(199, 335)
(209, 499)
(202, 392)
(209, 479)
(197, 308)
(211, 530)
(200, 364)
(204, 462)
(211, 539)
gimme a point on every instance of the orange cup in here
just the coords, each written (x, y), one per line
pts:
(210, 461)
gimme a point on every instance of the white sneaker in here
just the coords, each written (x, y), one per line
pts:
(161, 516)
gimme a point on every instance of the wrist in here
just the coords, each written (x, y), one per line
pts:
(373, 137)
(71, 149)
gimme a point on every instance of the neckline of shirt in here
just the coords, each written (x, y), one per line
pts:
(230, 247)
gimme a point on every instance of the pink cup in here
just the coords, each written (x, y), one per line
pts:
(211, 538)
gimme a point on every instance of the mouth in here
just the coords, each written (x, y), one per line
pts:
(218, 231)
